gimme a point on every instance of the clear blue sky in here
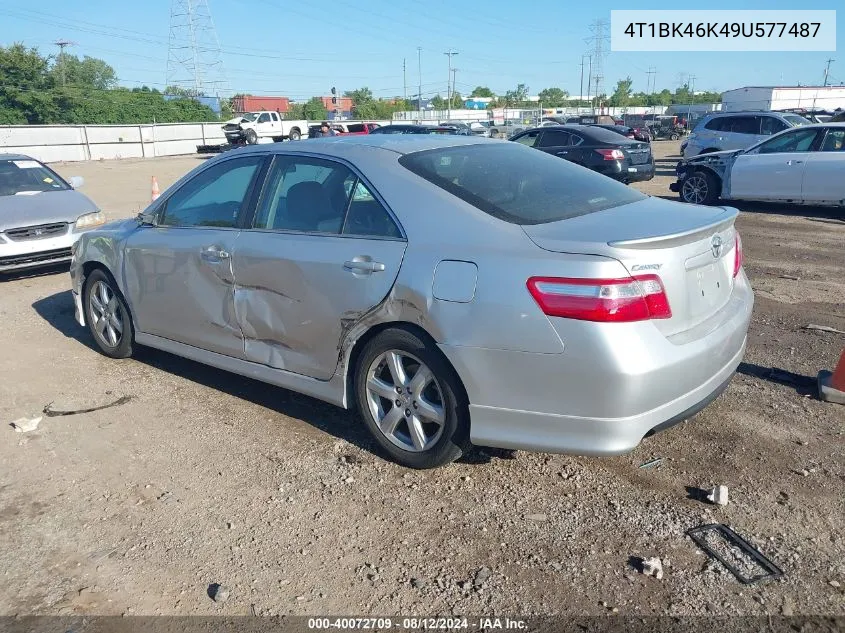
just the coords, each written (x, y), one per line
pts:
(300, 49)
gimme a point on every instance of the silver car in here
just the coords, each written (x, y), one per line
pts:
(453, 290)
(724, 131)
(41, 215)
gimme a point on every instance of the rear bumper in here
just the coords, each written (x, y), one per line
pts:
(604, 393)
(626, 172)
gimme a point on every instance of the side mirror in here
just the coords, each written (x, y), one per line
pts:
(146, 219)
(76, 181)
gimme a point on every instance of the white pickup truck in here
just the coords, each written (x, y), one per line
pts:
(250, 127)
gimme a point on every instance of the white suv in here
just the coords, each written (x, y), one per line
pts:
(736, 130)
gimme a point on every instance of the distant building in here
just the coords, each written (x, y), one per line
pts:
(344, 104)
(783, 98)
(249, 103)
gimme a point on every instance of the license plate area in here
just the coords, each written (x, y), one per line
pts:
(708, 288)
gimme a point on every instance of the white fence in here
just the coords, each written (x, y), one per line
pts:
(52, 143)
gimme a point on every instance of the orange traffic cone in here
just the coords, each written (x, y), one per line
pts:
(155, 193)
(832, 385)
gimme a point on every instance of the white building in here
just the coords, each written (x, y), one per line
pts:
(784, 97)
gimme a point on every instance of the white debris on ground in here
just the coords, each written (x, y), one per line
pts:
(25, 425)
(718, 495)
(653, 567)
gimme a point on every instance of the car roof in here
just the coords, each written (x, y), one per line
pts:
(16, 157)
(349, 146)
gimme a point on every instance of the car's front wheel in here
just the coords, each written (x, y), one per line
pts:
(700, 187)
(107, 315)
(251, 137)
(411, 400)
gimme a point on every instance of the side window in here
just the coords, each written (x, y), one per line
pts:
(745, 125)
(264, 118)
(529, 139)
(357, 127)
(797, 141)
(305, 194)
(367, 217)
(274, 116)
(554, 138)
(718, 124)
(834, 141)
(575, 140)
(213, 197)
(770, 125)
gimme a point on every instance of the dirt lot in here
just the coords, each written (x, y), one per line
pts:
(205, 477)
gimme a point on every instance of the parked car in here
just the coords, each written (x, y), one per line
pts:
(41, 214)
(638, 134)
(737, 130)
(798, 166)
(461, 128)
(250, 127)
(353, 128)
(601, 150)
(599, 315)
(591, 119)
(407, 128)
(666, 127)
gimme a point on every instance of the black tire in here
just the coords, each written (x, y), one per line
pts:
(122, 347)
(295, 134)
(251, 137)
(674, 136)
(700, 187)
(453, 438)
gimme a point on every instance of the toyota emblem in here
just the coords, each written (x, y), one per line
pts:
(716, 246)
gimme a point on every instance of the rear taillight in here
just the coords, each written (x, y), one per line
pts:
(611, 154)
(608, 300)
(738, 255)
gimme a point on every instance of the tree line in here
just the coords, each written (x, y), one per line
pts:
(38, 90)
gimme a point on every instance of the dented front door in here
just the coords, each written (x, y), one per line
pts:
(296, 293)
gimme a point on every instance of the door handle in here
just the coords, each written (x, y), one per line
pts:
(794, 162)
(357, 266)
(562, 153)
(214, 254)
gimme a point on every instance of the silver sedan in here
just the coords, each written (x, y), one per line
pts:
(454, 290)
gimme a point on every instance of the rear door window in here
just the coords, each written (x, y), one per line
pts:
(718, 124)
(771, 125)
(530, 139)
(516, 185)
(745, 125)
(554, 138)
(357, 127)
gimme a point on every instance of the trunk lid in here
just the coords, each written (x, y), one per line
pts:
(690, 247)
(639, 153)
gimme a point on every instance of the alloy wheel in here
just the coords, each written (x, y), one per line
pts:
(405, 400)
(106, 314)
(695, 189)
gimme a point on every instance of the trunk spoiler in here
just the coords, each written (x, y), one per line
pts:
(682, 237)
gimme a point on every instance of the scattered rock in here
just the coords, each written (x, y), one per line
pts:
(834, 583)
(653, 567)
(418, 583)
(536, 517)
(218, 593)
(481, 576)
(229, 525)
(555, 565)
(349, 480)
(718, 496)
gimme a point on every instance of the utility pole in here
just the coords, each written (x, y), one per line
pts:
(691, 96)
(404, 81)
(581, 90)
(62, 44)
(826, 70)
(589, 79)
(454, 77)
(649, 89)
(419, 85)
(449, 54)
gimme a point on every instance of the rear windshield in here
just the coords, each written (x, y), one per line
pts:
(518, 184)
(795, 120)
(604, 135)
(27, 176)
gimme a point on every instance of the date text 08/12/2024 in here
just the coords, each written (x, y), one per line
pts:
(417, 623)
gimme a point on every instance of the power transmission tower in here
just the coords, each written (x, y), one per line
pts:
(599, 40)
(449, 53)
(826, 70)
(62, 44)
(651, 71)
(194, 60)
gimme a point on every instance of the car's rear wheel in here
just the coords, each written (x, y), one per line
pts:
(251, 137)
(700, 187)
(294, 134)
(674, 136)
(107, 315)
(411, 400)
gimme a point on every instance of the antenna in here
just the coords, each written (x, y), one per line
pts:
(194, 61)
(62, 44)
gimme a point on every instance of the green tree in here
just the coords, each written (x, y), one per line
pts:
(311, 110)
(438, 102)
(359, 96)
(482, 91)
(516, 96)
(553, 97)
(87, 72)
(622, 94)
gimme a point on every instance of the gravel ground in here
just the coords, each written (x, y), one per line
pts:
(204, 477)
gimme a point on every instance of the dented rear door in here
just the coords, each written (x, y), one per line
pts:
(296, 294)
